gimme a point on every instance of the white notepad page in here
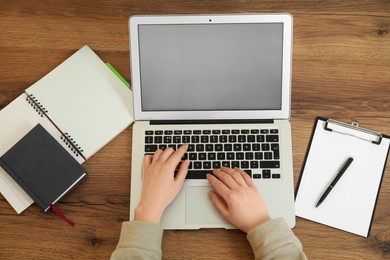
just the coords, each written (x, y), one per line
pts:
(85, 99)
(351, 203)
(18, 118)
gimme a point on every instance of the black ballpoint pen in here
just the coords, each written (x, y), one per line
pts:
(343, 168)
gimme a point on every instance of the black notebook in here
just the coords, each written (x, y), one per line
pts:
(42, 167)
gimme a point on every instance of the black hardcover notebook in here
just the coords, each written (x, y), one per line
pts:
(42, 167)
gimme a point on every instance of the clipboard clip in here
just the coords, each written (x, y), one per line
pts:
(354, 126)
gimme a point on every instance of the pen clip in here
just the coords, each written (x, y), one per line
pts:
(354, 126)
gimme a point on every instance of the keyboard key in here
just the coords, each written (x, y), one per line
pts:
(216, 132)
(191, 148)
(195, 139)
(193, 156)
(260, 138)
(204, 139)
(255, 147)
(240, 156)
(226, 164)
(209, 147)
(246, 147)
(186, 139)
(254, 164)
(272, 138)
(228, 147)
(197, 165)
(269, 164)
(149, 139)
(242, 138)
(177, 139)
(232, 138)
(206, 132)
(256, 176)
(168, 132)
(162, 146)
(158, 132)
(187, 132)
(230, 156)
(207, 165)
(218, 147)
(223, 138)
(244, 131)
(199, 147)
(264, 131)
(216, 165)
(148, 132)
(221, 156)
(197, 174)
(276, 176)
(274, 131)
(265, 147)
(235, 164)
(202, 156)
(244, 164)
(213, 139)
(197, 132)
(211, 156)
(237, 147)
(249, 172)
(267, 155)
(235, 131)
(167, 139)
(158, 139)
(266, 174)
(258, 155)
(248, 156)
(150, 148)
(178, 132)
(225, 132)
(251, 138)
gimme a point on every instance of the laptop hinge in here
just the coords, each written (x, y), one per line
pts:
(220, 121)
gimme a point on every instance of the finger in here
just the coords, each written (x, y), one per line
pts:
(219, 203)
(218, 186)
(166, 154)
(226, 178)
(248, 180)
(148, 160)
(236, 175)
(176, 156)
(157, 154)
(182, 172)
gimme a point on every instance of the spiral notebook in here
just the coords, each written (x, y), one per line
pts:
(81, 103)
(350, 205)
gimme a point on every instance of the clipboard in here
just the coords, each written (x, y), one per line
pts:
(351, 204)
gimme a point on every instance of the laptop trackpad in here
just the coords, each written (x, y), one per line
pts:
(199, 208)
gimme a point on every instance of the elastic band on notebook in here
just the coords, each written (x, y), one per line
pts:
(58, 212)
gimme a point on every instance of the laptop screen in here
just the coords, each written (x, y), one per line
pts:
(211, 67)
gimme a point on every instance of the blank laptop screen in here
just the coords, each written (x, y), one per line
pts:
(199, 67)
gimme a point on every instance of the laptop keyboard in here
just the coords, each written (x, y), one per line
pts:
(256, 151)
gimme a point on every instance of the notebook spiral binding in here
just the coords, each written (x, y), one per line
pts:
(66, 138)
(33, 101)
(72, 144)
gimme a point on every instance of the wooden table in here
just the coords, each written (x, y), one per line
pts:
(341, 64)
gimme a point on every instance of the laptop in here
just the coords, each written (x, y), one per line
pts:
(221, 83)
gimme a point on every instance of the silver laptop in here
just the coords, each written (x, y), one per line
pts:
(221, 83)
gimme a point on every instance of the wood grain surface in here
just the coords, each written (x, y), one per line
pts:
(341, 69)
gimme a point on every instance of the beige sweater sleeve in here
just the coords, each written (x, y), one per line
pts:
(139, 240)
(275, 240)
